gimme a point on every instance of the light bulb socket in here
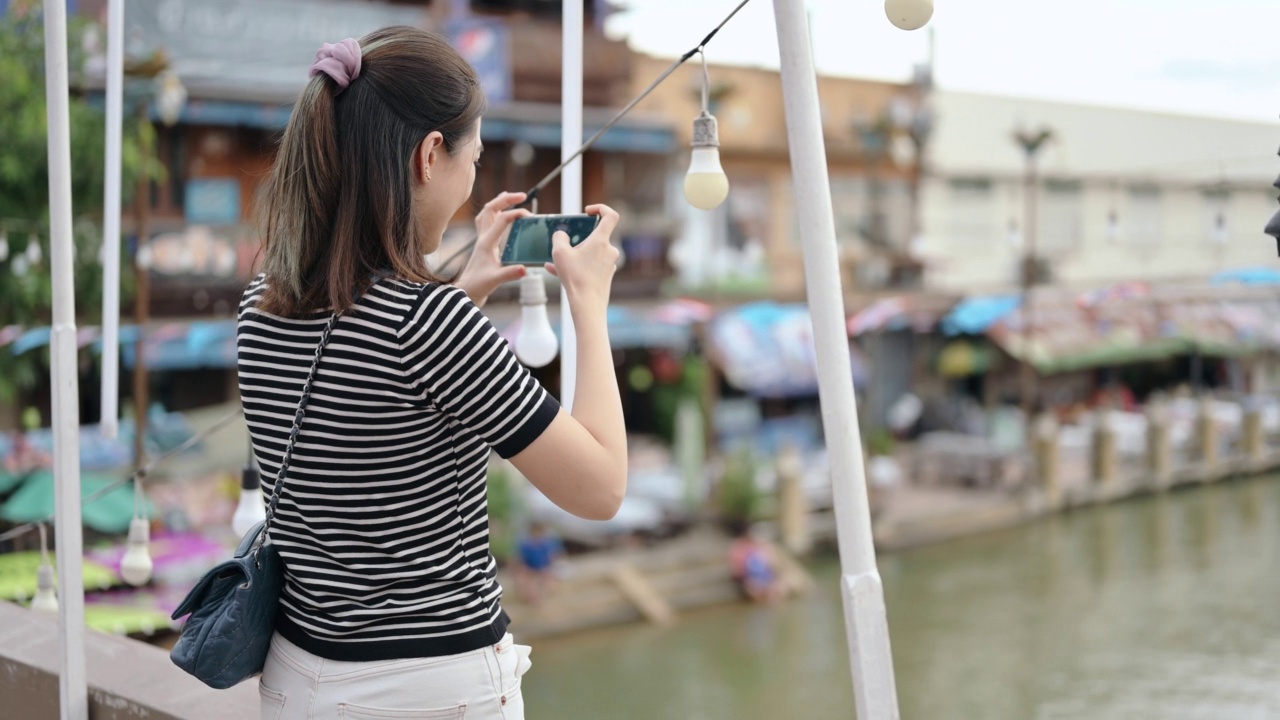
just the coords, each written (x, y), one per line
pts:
(139, 531)
(250, 478)
(532, 290)
(44, 577)
(706, 131)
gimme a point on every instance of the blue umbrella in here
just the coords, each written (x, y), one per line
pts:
(1261, 275)
(976, 315)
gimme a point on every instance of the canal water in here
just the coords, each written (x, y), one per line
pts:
(1166, 607)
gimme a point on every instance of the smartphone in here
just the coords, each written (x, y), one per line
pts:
(530, 240)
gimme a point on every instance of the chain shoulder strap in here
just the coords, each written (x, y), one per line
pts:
(293, 434)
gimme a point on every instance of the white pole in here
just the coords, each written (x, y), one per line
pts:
(111, 223)
(866, 623)
(571, 178)
(74, 693)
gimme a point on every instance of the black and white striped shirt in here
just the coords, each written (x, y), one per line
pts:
(382, 522)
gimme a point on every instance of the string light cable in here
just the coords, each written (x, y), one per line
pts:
(536, 189)
(135, 477)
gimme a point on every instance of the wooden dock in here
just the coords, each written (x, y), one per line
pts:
(632, 585)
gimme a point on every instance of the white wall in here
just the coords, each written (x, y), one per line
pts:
(1165, 179)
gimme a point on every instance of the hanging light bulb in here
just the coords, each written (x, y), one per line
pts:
(705, 186)
(536, 343)
(251, 509)
(135, 566)
(34, 253)
(46, 598)
(171, 96)
(909, 14)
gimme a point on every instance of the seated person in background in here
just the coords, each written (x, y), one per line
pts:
(538, 551)
(754, 567)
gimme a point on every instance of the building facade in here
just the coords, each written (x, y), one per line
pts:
(750, 245)
(1119, 195)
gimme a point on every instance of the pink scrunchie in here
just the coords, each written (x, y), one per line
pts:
(340, 61)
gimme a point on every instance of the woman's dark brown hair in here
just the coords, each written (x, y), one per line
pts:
(338, 206)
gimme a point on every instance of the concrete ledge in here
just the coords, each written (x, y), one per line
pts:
(127, 679)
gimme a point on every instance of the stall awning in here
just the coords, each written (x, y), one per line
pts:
(535, 123)
(1078, 336)
(539, 124)
(976, 315)
(110, 513)
(916, 312)
(767, 350)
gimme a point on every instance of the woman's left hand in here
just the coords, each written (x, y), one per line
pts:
(484, 271)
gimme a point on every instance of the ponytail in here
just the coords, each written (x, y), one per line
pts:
(300, 199)
(339, 203)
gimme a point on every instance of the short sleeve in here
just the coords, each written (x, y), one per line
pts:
(453, 355)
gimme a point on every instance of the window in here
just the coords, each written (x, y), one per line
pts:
(1217, 206)
(972, 211)
(1145, 219)
(849, 203)
(1061, 216)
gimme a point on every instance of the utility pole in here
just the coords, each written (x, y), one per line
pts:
(1031, 141)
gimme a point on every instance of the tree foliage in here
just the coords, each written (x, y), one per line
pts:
(26, 288)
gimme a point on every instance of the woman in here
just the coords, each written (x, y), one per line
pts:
(391, 607)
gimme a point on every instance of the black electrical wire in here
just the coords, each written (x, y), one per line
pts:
(138, 474)
(533, 192)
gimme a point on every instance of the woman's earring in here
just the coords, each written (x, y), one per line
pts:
(428, 176)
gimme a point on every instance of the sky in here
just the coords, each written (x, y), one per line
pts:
(1200, 57)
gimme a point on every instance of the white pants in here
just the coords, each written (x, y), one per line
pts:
(482, 684)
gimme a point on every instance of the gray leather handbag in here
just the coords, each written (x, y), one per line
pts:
(233, 607)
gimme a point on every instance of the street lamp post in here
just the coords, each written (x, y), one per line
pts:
(1031, 142)
(912, 114)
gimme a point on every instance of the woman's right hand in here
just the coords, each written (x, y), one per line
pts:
(586, 270)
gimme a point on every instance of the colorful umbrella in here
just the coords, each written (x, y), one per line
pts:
(33, 502)
(176, 557)
(9, 482)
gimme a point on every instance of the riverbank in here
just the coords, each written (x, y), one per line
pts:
(683, 574)
(674, 577)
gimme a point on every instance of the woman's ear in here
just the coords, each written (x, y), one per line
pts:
(426, 156)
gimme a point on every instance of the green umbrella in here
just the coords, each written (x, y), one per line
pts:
(33, 502)
(18, 575)
(9, 482)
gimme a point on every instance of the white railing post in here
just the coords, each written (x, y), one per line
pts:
(110, 419)
(865, 618)
(74, 694)
(571, 178)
